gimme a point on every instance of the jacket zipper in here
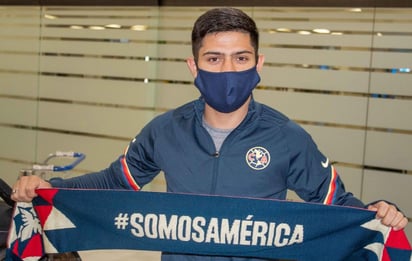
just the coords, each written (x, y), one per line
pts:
(216, 156)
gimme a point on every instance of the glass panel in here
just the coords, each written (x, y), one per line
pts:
(89, 78)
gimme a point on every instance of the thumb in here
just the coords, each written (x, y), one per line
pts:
(372, 207)
(43, 184)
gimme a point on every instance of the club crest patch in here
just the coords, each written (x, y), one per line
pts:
(258, 158)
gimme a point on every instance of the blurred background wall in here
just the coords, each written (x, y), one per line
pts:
(87, 77)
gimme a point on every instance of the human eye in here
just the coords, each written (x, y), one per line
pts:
(242, 59)
(213, 59)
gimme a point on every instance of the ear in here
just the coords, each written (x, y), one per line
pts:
(261, 60)
(191, 64)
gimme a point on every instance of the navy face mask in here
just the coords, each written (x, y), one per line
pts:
(226, 91)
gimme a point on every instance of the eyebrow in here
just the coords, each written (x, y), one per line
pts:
(220, 53)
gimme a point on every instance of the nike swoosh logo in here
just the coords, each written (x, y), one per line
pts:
(325, 164)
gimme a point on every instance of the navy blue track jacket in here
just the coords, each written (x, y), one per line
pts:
(263, 157)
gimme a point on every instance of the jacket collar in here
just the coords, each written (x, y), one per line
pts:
(253, 111)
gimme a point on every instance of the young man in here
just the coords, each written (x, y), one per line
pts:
(225, 143)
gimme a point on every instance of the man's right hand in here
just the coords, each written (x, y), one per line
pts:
(25, 188)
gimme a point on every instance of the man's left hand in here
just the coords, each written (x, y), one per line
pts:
(389, 215)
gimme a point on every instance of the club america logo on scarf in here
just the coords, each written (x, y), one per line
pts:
(258, 158)
(26, 233)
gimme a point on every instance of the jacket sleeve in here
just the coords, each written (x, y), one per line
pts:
(311, 174)
(132, 170)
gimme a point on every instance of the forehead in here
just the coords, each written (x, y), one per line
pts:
(226, 42)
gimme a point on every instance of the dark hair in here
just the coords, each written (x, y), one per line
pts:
(223, 20)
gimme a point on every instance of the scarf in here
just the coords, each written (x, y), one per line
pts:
(66, 220)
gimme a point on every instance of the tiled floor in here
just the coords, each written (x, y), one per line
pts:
(119, 255)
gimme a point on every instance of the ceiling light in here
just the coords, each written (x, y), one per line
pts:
(356, 10)
(47, 16)
(321, 31)
(76, 27)
(283, 30)
(113, 26)
(139, 27)
(96, 27)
